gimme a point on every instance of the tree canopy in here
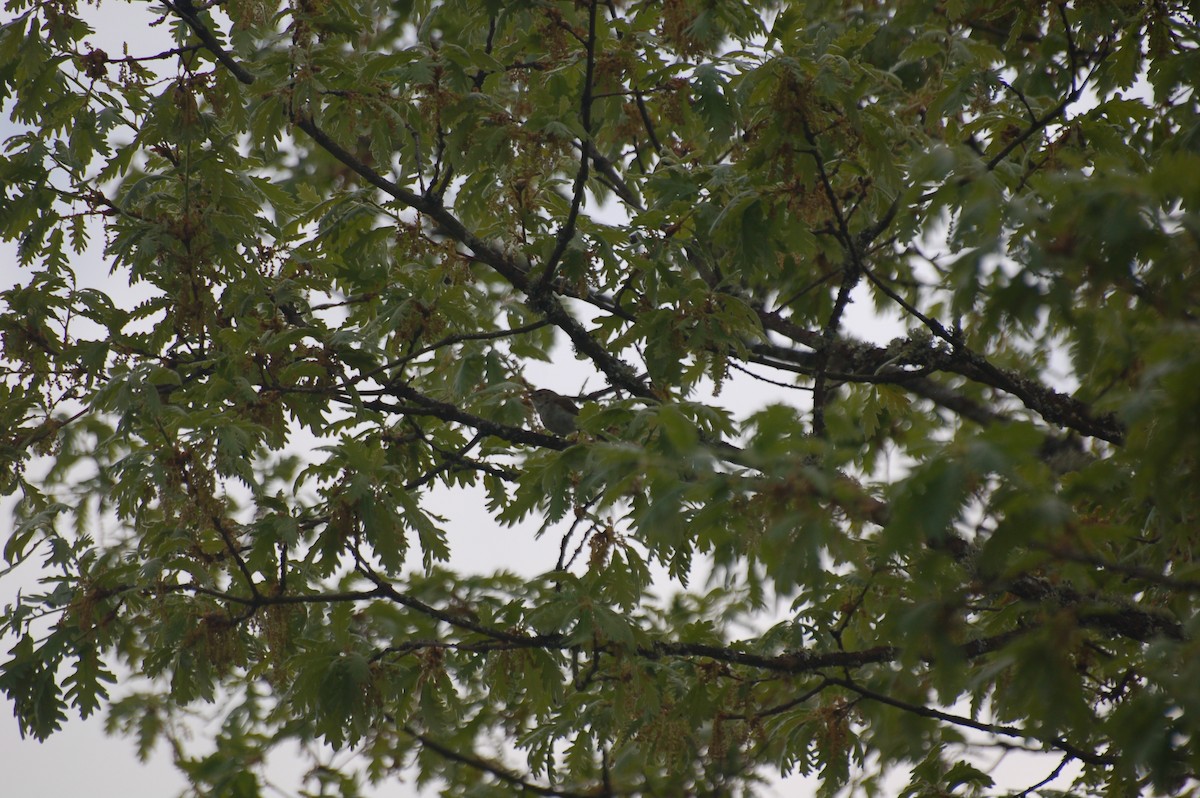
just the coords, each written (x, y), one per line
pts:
(344, 234)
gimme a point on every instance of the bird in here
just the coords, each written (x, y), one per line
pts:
(557, 412)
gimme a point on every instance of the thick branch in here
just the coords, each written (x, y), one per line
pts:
(187, 12)
(850, 357)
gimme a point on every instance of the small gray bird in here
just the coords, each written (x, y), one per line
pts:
(557, 412)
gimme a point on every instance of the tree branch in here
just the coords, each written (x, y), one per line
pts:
(188, 13)
(1060, 743)
(567, 231)
(499, 772)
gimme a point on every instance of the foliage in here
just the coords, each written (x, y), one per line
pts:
(354, 229)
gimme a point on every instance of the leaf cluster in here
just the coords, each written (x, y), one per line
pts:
(345, 239)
